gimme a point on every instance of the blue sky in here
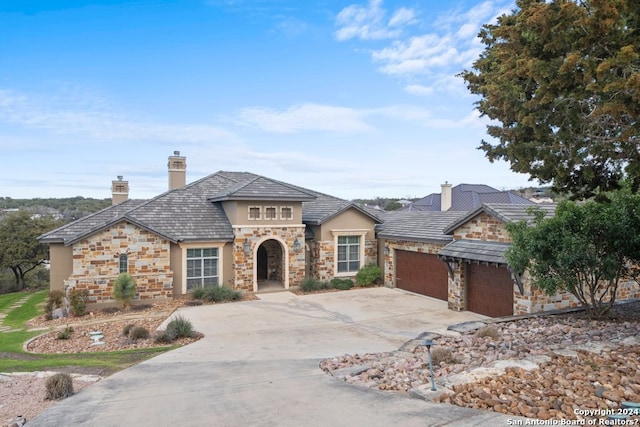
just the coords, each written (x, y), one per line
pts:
(352, 98)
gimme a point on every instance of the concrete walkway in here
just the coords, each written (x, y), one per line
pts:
(258, 366)
(6, 311)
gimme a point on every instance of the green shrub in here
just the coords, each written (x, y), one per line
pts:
(164, 337)
(488, 331)
(216, 293)
(55, 300)
(342, 284)
(311, 284)
(58, 386)
(180, 327)
(138, 333)
(368, 275)
(78, 302)
(124, 289)
(127, 329)
(65, 334)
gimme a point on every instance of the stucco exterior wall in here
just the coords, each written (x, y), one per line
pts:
(61, 265)
(238, 213)
(96, 263)
(348, 220)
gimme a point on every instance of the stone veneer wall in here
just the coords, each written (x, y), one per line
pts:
(483, 227)
(323, 263)
(96, 263)
(244, 265)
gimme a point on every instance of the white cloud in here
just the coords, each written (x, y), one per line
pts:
(305, 117)
(370, 22)
(418, 90)
(89, 118)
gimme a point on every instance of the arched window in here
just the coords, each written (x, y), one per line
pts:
(124, 263)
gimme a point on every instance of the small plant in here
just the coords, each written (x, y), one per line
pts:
(54, 301)
(216, 293)
(488, 331)
(342, 284)
(124, 289)
(311, 284)
(138, 333)
(164, 337)
(78, 302)
(180, 327)
(127, 329)
(368, 275)
(58, 386)
(442, 355)
(65, 334)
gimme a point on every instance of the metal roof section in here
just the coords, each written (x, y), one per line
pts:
(475, 250)
(505, 212)
(425, 226)
(466, 197)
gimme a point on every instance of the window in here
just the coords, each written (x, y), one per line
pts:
(348, 254)
(286, 212)
(202, 267)
(123, 264)
(270, 213)
(254, 212)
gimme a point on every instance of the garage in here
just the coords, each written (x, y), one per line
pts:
(489, 290)
(422, 273)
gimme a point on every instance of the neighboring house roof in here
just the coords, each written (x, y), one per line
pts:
(477, 250)
(193, 212)
(466, 197)
(505, 213)
(417, 226)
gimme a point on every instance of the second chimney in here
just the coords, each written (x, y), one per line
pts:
(445, 196)
(119, 191)
(177, 171)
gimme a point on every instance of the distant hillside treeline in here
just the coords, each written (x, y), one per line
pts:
(69, 209)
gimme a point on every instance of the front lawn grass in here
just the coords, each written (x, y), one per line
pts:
(14, 359)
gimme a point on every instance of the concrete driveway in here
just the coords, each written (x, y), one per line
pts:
(258, 366)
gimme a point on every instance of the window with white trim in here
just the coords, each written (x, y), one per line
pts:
(202, 267)
(254, 212)
(270, 212)
(123, 263)
(348, 254)
(286, 212)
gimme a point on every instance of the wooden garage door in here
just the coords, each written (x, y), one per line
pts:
(489, 290)
(421, 273)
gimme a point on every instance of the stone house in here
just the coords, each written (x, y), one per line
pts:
(458, 257)
(237, 229)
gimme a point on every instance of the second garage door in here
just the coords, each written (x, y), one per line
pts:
(489, 290)
(422, 273)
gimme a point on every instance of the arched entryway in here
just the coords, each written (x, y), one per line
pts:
(270, 266)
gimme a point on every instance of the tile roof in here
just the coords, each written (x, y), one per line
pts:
(193, 212)
(466, 197)
(505, 213)
(417, 226)
(475, 250)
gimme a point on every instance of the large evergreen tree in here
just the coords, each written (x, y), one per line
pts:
(560, 80)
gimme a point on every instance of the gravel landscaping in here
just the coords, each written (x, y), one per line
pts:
(544, 367)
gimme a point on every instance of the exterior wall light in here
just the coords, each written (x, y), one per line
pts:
(387, 250)
(297, 245)
(246, 246)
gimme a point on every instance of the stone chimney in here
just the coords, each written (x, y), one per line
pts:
(445, 196)
(119, 191)
(177, 171)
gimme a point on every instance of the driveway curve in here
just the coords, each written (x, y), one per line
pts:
(258, 366)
